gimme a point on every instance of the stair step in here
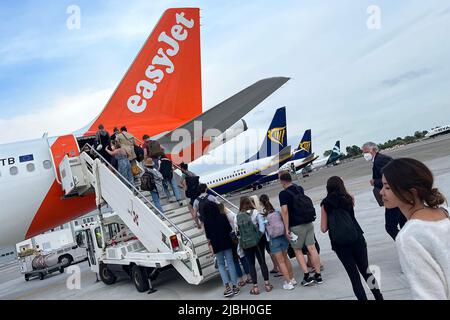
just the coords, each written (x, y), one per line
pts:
(176, 212)
(181, 219)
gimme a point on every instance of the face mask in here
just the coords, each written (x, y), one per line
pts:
(368, 156)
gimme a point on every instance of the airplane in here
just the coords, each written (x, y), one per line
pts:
(438, 131)
(159, 95)
(301, 157)
(330, 160)
(273, 153)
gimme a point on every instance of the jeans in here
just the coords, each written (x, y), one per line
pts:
(155, 198)
(224, 274)
(355, 261)
(258, 252)
(394, 218)
(176, 191)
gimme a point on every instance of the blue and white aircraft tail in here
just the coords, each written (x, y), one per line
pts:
(275, 139)
(301, 157)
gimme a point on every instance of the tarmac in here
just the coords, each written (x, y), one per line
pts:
(336, 286)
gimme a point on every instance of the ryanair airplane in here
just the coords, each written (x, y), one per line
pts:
(272, 154)
(300, 158)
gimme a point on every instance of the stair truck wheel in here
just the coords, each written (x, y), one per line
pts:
(106, 275)
(27, 277)
(41, 276)
(140, 278)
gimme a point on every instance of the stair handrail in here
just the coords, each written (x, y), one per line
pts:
(55, 172)
(213, 191)
(144, 198)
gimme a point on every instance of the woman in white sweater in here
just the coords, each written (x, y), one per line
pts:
(423, 244)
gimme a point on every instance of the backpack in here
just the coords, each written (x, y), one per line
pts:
(206, 206)
(249, 235)
(341, 227)
(303, 207)
(148, 181)
(139, 153)
(192, 183)
(275, 225)
(154, 149)
(165, 167)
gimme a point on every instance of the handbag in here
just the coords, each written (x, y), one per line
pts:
(135, 170)
(376, 193)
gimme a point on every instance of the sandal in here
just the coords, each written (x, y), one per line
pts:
(268, 287)
(254, 291)
(249, 281)
(242, 283)
(273, 271)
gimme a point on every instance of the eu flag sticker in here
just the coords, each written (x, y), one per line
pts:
(26, 158)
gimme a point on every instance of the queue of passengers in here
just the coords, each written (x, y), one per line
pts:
(407, 186)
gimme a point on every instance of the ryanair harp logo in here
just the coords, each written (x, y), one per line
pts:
(277, 135)
(305, 146)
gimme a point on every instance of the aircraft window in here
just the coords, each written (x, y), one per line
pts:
(47, 164)
(30, 167)
(13, 170)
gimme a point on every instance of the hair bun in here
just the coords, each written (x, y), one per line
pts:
(435, 198)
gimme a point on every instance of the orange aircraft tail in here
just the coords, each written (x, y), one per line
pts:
(162, 88)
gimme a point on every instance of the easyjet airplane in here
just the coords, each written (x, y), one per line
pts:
(159, 94)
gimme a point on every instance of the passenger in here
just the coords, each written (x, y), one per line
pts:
(202, 200)
(152, 149)
(393, 216)
(346, 235)
(238, 254)
(151, 181)
(102, 140)
(115, 133)
(276, 237)
(166, 169)
(190, 182)
(250, 240)
(298, 215)
(217, 231)
(123, 165)
(423, 244)
(126, 140)
(259, 210)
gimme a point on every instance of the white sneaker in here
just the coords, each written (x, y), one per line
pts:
(288, 286)
(294, 282)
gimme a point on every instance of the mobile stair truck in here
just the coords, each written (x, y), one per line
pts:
(137, 239)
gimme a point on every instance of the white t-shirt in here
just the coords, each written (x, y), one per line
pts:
(424, 252)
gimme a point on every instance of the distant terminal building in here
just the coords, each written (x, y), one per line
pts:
(438, 131)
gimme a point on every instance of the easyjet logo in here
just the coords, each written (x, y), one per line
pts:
(161, 64)
(277, 135)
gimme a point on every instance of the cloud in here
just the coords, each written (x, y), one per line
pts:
(64, 116)
(407, 76)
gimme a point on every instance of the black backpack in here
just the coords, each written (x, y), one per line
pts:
(148, 181)
(139, 153)
(165, 167)
(206, 206)
(341, 227)
(303, 207)
(192, 183)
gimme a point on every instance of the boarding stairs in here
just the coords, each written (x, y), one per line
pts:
(153, 229)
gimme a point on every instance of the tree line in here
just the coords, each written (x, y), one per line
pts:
(355, 151)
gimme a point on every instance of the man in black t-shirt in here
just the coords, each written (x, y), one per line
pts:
(299, 228)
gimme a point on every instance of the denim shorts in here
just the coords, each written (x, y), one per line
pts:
(278, 244)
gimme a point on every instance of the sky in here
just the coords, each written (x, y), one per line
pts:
(348, 82)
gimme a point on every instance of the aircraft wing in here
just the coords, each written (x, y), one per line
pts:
(220, 117)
